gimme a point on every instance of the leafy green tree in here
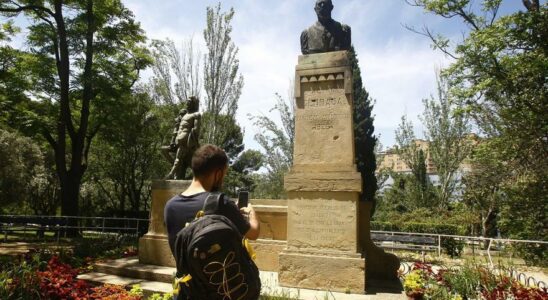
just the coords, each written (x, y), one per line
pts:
(8, 72)
(500, 73)
(241, 173)
(364, 132)
(85, 55)
(484, 191)
(277, 144)
(230, 138)
(447, 131)
(127, 156)
(223, 82)
(406, 146)
(419, 187)
(26, 185)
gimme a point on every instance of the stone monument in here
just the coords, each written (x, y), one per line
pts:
(327, 225)
(323, 186)
(153, 246)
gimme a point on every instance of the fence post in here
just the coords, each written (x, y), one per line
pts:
(66, 225)
(103, 228)
(439, 245)
(489, 252)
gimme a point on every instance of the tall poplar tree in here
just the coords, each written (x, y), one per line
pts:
(223, 81)
(364, 136)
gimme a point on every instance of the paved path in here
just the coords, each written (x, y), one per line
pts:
(270, 285)
(17, 248)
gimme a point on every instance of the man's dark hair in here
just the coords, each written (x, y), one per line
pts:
(208, 158)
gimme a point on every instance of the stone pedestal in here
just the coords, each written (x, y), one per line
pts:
(323, 240)
(154, 246)
(381, 266)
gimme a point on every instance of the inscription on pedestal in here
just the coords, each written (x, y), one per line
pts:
(323, 117)
(323, 223)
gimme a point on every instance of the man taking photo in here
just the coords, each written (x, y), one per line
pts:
(209, 166)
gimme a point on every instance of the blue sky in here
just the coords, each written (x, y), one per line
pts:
(398, 66)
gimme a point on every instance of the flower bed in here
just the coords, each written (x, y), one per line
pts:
(467, 282)
(32, 278)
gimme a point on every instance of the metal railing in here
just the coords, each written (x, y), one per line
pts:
(469, 240)
(61, 224)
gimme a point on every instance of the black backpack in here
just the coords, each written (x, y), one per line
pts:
(212, 262)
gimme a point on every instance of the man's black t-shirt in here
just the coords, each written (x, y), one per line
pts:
(181, 209)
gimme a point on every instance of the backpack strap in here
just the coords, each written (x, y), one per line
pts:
(212, 203)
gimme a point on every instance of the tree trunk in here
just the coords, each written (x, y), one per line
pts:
(70, 191)
(488, 225)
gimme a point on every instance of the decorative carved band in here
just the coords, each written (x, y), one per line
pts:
(323, 77)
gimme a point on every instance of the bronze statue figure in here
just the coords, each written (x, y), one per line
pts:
(184, 139)
(326, 35)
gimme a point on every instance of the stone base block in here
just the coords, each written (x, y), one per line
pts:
(335, 272)
(267, 252)
(154, 250)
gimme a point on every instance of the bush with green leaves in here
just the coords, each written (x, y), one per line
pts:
(165, 296)
(470, 281)
(108, 245)
(18, 278)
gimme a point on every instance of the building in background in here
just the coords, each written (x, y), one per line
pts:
(390, 159)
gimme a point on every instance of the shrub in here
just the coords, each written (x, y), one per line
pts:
(114, 292)
(103, 246)
(58, 281)
(467, 282)
(415, 283)
(165, 296)
(31, 277)
(18, 280)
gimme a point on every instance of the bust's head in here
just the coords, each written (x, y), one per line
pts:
(323, 9)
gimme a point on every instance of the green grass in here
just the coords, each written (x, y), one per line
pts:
(279, 296)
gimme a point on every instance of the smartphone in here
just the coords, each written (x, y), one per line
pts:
(243, 199)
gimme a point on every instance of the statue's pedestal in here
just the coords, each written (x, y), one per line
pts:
(381, 265)
(154, 246)
(323, 240)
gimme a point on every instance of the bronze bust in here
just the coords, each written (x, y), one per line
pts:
(326, 35)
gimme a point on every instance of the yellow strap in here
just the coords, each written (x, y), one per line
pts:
(176, 282)
(249, 248)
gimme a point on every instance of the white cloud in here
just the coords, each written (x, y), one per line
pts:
(399, 77)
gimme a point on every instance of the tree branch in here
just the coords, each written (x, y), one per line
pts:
(49, 138)
(531, 5)
(88, 70)
(54, 33)
(20, 8)
(468, 18)
(427, 33)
